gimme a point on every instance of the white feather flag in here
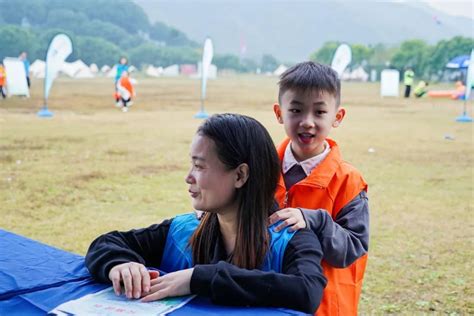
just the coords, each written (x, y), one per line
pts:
(342, 58)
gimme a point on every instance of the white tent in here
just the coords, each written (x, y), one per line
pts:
(112, 72)
(94, 69)
(153, 72)
(280, 70)
(389, 83)
(132, 69)
(105, 68)
(171, 71)
(69, 69)
(212, 72)
(346, 75)
(358, 74)
(76, 68)
(84, 73)
(38, 68)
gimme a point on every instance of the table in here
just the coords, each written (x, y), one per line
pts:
(35, 278)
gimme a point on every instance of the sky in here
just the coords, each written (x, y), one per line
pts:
(453, 7)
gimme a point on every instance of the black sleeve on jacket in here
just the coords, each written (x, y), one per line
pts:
(347, 238)
(144, 246)
(299, 287)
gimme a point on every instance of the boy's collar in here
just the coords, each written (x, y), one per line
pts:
(326, 169)
(308, 165)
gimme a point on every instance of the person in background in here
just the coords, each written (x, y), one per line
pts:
(24, 58)
(421, 89)
(3, 80)
(121, 67)
(125, 92)
(408, 77)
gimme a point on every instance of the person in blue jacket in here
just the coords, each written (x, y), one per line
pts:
(229, 254)
(121, 67)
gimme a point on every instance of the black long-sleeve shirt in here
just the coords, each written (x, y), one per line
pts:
(299, 286)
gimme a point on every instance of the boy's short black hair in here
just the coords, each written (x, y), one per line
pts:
(308, 76)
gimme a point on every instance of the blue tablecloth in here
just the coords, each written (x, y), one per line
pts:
(35, 278)
(27, 265)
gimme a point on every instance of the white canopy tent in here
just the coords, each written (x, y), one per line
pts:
(171, 71)
(38, 68)
(153, 72)
(93, 67)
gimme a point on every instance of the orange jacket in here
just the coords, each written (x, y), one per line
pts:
(3, 76)
(127, 85)
(331, 185)
(125, 82)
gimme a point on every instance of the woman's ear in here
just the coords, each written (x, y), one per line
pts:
(242, 175)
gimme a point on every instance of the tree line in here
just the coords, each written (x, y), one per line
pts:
(101, 31)
(426, 60)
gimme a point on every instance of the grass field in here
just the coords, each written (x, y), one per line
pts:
(92, 169)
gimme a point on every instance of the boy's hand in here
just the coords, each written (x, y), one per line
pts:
(292, 217)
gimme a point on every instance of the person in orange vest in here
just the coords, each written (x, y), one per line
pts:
(3, 78)
(317, 188)
(125, 92)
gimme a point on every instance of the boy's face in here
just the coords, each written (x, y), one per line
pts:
(308, 119)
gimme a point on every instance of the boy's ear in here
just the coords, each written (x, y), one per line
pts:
(277, 111)
(341, 112)
(242, 175)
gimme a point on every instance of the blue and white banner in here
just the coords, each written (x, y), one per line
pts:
(59, 49)
(470, 76)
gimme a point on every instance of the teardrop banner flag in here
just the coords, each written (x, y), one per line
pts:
(470, 76)
(465, 118)
(59, 49)
(342, 58)
(207, 55)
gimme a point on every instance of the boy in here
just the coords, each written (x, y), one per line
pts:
(125, 92)
(329, 192)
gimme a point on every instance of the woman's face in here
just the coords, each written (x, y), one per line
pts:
(211, 185)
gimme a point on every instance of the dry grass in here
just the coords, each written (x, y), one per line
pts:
(92, 169)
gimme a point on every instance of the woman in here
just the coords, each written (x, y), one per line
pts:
(229, 255)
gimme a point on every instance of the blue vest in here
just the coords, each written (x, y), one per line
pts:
(178, 254)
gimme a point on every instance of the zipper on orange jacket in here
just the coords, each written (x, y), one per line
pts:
(285, 203)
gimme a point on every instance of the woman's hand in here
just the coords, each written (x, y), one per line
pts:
(292, 217)
(172, 284)
(135, 277)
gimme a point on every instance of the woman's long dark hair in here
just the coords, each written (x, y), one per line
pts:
(241, 139)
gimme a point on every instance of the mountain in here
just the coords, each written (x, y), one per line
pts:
(292, 30)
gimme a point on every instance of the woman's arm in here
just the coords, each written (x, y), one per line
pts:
(299, 287)
(143, 246)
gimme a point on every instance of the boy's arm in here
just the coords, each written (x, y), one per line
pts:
(347, 238)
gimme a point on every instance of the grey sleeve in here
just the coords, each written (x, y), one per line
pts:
(347, 238)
